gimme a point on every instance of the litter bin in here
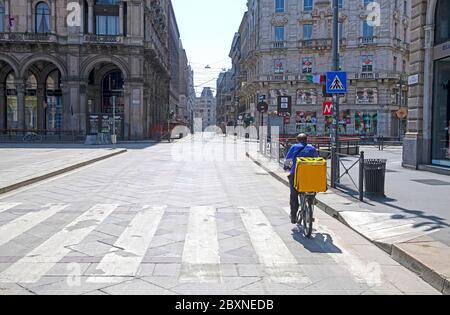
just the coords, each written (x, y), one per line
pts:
(375, 176)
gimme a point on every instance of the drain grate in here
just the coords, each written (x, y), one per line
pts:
(431, 182)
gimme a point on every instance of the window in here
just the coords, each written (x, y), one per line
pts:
(442, 21)
(279, 33)
(107, 2)
(307, 31)
(107, 25)
(367, 30)
(42, 18)
(307, 5)
(367, 63)
(279, 6)
(307, 65)
(367, 96)
(279, 65)
(2, 17)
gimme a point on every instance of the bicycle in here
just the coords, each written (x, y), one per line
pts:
(305, 216)
(32, 137)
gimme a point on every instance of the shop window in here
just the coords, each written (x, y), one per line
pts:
(441, 114)
(306, 122)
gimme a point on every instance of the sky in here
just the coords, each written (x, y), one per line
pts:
(207, 28)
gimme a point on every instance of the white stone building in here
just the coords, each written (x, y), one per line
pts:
(282, 43)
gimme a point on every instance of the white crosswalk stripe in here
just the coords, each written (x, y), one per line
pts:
(201, 260)
(19, 226)
(134, 241)
(36, 264)
(278, 262)
(6, 206)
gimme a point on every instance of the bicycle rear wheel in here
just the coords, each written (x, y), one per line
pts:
(308, 219)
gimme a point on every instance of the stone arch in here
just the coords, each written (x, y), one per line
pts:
(11, 62)
(431, 12)
(59, 63)
(89, 64)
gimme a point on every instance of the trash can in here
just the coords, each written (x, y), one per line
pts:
(375, 176)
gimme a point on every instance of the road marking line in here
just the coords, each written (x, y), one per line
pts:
(279, 263)
(6, 206)
(201, 260)
(19, 226)
(36, 264)
(135, 241)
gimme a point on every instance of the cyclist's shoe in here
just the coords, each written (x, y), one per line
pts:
(293, 219)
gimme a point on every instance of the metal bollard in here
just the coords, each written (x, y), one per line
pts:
(361, 176)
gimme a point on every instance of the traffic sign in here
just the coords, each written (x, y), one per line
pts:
(284, 105)
(263, 107)
(328, 108)
(262, 98)
(337, 82)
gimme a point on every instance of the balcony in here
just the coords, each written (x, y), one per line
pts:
(367, 40)
(316, 44)
(103, 39)
(28, 37)
(374, 75)
(279, 44)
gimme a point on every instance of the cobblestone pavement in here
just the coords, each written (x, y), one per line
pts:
(194, 217)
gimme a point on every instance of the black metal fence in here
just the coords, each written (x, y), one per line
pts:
(41, 136)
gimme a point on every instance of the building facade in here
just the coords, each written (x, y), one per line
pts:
(225, 88)
(285, 45)
(58, 75)
(428, 139)
(205, 108)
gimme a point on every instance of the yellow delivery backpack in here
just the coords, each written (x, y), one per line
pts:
(311, 175)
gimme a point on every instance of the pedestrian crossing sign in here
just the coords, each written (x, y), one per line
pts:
(337, 82)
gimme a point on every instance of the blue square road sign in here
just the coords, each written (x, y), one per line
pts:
(337, 82)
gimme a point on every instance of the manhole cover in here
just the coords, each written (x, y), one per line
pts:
(432, 182)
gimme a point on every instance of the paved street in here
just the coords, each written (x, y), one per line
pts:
(419, 196)
(194, 217)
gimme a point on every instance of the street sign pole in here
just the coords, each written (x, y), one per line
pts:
(335, 48)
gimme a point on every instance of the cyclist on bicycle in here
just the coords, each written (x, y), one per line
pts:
(302, 149)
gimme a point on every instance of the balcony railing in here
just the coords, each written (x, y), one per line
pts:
(279, 44)
(367, 40)
(103, 39)
(28, 37)
(318, 44)
(374, 75)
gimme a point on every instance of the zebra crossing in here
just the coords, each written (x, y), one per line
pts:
(200, 261)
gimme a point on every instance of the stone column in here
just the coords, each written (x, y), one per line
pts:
(83, 108)
(41, 117)
(20, 88)
(53, 16)
(91, 17)
(2, 107)
(413, 146)
(127, 108)
(121, 19)
(29, 17)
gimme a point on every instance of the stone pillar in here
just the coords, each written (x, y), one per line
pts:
(414, 143)
(121, 19)
(2, 107)
(126, 114)
(41, 117)
(83, 108)
(29, 17)
(20, 88)
(90, 17)
(53, 16)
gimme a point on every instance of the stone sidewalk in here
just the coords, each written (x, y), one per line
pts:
(27, 164)
(406, 241)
